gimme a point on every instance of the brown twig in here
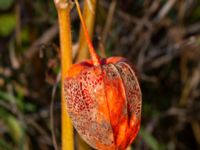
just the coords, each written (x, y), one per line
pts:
(165, 9)
(48, 35)
(52, 110)
(108, 21)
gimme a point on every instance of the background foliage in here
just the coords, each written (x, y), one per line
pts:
(161, 38)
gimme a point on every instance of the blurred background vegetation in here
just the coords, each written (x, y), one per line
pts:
(160, 37)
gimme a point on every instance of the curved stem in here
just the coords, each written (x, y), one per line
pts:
(89, 13)
(94, 56)
(63, 9)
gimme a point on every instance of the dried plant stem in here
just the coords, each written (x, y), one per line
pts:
(89, 10)
(63, 9)
(109, 20)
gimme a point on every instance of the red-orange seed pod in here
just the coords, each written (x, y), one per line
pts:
(104, 101)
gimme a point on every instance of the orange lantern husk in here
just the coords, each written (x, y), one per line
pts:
(104, 100)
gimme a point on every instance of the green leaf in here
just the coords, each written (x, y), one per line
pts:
(149, 139)
(4, 145)
(15, 129)
(12, 124)
(29, 107)
(6, 96)
(25, 35)
(7, 24)
(5, 4)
